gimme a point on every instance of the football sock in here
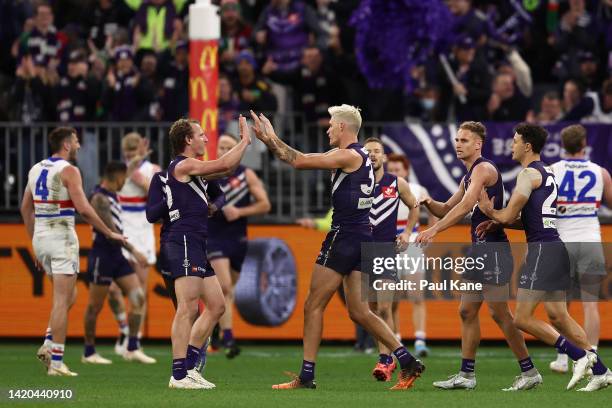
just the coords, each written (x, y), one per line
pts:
(193, 357)
(599, 367)
(179, 370)
(308, 371)
(57, 355)
(403, 356)
(563, 345)
(89, 350)
(468, 365)
(526, 364)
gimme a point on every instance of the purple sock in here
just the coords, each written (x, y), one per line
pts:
(308, 371)
(403, 356)
(599, 367)
(468, 365)
(563, 345)
(132, 343)
(193, 357)
(526, 364)
(89, 350)
(383, 358)
(228, 336)
(179, 370)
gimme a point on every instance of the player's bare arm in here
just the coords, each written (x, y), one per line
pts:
(27, 211)
(71, 178)
(413, 215)
(218, 168)
(439, 209)
(260, 205)
(607, 187)
(344, 159)
(484, 174)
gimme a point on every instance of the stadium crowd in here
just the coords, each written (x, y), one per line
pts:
(127, 60)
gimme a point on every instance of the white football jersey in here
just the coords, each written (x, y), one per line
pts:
(402, 212)
(133, 200)
(53, 209)
(580, 188)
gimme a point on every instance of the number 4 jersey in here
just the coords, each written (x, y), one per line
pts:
(580, 190)
(53, 209)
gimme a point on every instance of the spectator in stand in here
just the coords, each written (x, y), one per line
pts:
(572, 94)
(30, 95)
(588, 70)
(506, 103)
(578, 29)
(283, 31)
(515, 66)
(316, 85)
(229, 103)
(467, 21)
(149, 72)
(473, 84)
(327, 19)
(13, 14)
(253, 90)
(235, 34)
(77, 94)
(42, 43)
(175, 90)
(103, 22)
(551, 110)
(594, 106)
(126, 95)
(157, 26)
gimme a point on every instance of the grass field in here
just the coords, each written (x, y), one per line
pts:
(343, 379)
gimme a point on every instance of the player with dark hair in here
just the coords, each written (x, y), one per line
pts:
(53, 193)
(482, 174)
(106, 264)
(546, 276)
(389, 192)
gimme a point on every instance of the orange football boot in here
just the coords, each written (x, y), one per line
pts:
(408, 375)
(295, 383)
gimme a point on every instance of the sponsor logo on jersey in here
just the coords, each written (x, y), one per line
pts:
(174, 215)
(365, 203)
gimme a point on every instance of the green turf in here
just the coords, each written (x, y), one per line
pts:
(343, 379)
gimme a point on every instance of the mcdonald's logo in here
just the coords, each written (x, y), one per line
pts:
(209, 54)
(209, 119)
(196, 84)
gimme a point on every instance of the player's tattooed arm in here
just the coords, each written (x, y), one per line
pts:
(265, 132)
(103, 209)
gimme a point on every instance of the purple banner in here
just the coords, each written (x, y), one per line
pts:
(431, 151)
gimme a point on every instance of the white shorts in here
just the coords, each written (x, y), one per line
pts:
(586, 258)
(57, 254)
(143, 239)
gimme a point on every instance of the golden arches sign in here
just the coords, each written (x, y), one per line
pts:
(209, 119)
(208, 57)
(196, 84)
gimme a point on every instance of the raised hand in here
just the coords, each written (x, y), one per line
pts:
(259, 129)
(244, 129)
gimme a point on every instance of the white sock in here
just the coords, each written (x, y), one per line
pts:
(57, 355)
(419, 335)
(562, 358)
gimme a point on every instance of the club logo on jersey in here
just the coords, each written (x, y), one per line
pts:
(389, 192)
(186, 263)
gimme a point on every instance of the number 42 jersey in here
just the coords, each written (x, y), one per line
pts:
(579, 197)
